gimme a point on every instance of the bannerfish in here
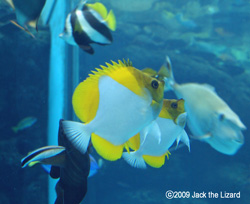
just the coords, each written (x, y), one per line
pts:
(24, 123)
(68, 164)
(209, 118)
(171, 121)
(89, 23)
(114, 104)
(27, 12)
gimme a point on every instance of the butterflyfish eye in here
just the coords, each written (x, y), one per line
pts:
(155, 84)
(221, 117)
(174, 105)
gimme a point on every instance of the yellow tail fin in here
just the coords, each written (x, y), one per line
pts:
(111, 21)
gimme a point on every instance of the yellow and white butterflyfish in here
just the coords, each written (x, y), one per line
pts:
(115, 103)
(148, 149)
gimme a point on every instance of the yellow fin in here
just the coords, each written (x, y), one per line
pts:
(167, 154)
(154, 161)
(111, 21)
(33, 163)
(106, 149)
(85, 99)
(134, 142)
(99, 8)
(127, 147)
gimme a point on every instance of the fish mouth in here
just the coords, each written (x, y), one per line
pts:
(240, 139)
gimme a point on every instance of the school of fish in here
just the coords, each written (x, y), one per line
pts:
(122, 109)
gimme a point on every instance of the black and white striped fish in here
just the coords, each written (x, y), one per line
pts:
(89, 23)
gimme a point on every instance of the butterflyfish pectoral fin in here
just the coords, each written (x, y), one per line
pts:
(47, 155)
(185, 139)
(78, 134)
(111, 20)
(134, 160)
(154, 161)
(106, 149)
(181, 119)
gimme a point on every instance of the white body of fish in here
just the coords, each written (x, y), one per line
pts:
(121, 114)
(150, 144)
(209, 117)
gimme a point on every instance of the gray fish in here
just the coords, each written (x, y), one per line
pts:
(209, 118)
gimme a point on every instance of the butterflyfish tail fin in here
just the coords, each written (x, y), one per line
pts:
(78, 134)
(134, 160)
(106, 149)
(155, 161)
(47, 155)
(111, 20)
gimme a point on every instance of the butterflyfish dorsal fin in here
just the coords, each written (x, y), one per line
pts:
(134, 142)
(99, 8)
(154, 161)
(111, 20)
(106, 149)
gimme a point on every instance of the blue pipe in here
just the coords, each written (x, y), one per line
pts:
(56, 81)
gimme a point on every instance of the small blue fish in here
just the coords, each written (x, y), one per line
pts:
(24, 123)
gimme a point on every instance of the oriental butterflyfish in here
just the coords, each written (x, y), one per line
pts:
(171, 121)
(114, 104)
(209, 118)
(89, 23)
(27, 13)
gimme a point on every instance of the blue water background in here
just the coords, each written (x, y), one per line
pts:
(209, 45)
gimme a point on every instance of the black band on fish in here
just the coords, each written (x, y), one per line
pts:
(96, 24)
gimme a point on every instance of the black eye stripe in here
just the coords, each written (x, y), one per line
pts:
(155, 84)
